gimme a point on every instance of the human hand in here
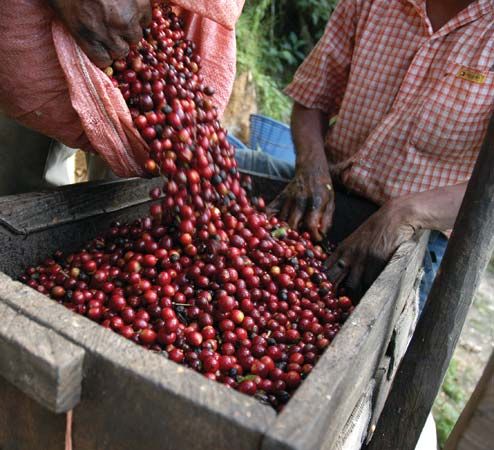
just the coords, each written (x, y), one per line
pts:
(361, 257)
(308, 200)
(104, 28)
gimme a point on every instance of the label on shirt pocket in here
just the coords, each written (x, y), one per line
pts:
(453, 115)
(472, 75)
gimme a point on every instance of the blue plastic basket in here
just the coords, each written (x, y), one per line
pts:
(237, 143)
(272, 137)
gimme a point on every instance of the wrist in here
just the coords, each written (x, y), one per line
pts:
(405, 211)
(313, 160)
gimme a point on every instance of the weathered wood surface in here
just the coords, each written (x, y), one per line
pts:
(355, 429)
(474, 430)
(131, 396)
(43, 365)
(25, 424)
(422, 371)
(71, 203)
(317, 413)
(388, 367)
(33, 226)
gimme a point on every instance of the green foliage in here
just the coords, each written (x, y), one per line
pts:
(449, 403)
(254, 56)
(298, 25)
(274, 36)
(490, 267)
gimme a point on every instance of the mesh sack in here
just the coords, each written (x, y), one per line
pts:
(223, 12)
(210, 24)
(49, 85)
(217, 47)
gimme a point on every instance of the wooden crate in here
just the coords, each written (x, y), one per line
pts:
(124, 397)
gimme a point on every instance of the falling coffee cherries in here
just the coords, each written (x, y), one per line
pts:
(208, 279)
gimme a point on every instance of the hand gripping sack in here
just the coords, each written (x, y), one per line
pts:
(48, 84)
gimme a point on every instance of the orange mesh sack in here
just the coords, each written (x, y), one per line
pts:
(223, 12)
(48, 84)
(217, 47)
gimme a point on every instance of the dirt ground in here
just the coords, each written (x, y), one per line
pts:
(471, 356)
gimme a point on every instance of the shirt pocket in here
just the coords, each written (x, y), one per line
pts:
(454, 113)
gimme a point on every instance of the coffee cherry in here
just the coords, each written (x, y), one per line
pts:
(148, 337)
(207, 278)
(248, 387)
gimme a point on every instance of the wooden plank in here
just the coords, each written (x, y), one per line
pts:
(390, 362)
(428, 356)
(40, 363)
(27, 213)
(355, 429)
(20, 251)
(315, 416)
(158, 396)
(474, 430)
(480, 434)
(35, 211)
(78, 213)
(25, 424)
(133, 398)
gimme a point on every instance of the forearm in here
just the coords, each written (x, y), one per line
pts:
(361, 257)
(432, 210)
(308, 200)
(309, 127)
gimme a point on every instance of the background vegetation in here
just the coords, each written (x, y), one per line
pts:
(274, 36)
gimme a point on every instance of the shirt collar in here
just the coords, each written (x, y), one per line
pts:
(473, 12)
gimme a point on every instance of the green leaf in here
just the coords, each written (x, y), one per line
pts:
(279, 233)
(247, 378)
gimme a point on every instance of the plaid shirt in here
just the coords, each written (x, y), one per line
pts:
(413, 105)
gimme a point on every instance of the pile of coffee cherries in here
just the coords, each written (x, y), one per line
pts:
(208, 280)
